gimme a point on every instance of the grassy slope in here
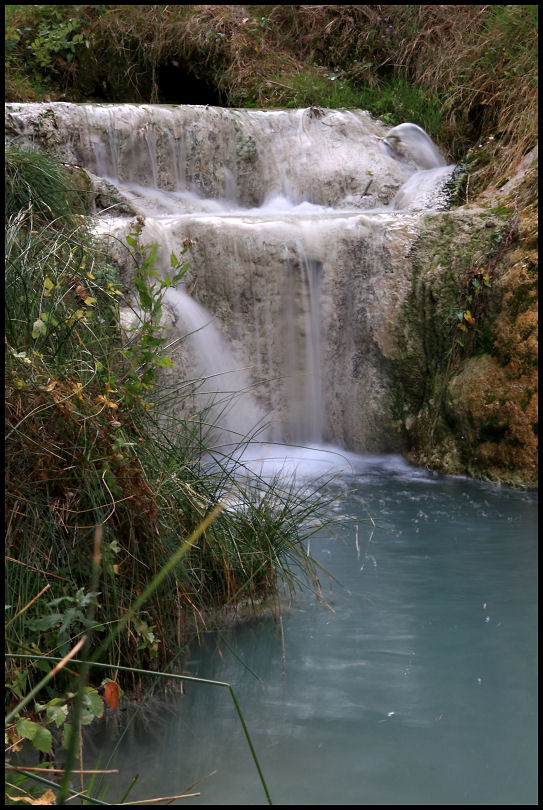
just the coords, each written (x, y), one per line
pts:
(465, 73)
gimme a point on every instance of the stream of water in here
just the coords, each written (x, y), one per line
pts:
(298, 226)
(413, 680)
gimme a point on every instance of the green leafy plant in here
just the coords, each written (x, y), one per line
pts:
(56, 37)
(145, 353)
(65, 618)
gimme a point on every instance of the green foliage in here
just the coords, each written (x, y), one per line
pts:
(40, 737)
(86, 450)
(34, 179)
(311, 87)
(64, 619)
(45, 39)
(145, 353)
(56, 36)
(56, 713)
(452, 316)
(396, 100)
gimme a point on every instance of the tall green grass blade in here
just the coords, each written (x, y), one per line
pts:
(172, 676)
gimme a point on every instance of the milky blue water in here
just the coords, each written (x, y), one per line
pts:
(411, 680)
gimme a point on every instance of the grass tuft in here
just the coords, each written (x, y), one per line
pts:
(84, 451)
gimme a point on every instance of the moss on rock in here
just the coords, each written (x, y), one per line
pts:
(466, 391)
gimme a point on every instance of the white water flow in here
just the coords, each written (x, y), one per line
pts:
(416, 681)
(299, 223)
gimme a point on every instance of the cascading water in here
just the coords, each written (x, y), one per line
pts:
(419, 686)
(299, 223)
(224, 387)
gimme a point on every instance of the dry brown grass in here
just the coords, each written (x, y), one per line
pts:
(475, 64)
(220, 44)
(480, 60)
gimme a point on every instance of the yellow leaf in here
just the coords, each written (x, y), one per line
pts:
(48, 286)
(106, 401)
(46, 798)
(468, 317)
(90, 301)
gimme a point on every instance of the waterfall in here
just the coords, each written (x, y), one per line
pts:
(225, 391)
(299, 223)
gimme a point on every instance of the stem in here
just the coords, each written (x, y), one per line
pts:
(178, 677)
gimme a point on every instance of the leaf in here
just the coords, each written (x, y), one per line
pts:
(90, 301)
(46, 622)
(111, 695)
(106, 401)
(163, 362)
(92, 707)
(145, 299)
(46, 798)
(38, 328)
(40, 737)
(57, 714)
(468, 317)
(178, 276)
(48, 286)
(67, 737)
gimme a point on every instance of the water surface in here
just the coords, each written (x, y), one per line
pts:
(411, 682)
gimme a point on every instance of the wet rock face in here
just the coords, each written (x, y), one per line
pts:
(242, 155)
(339, 289)
(471, 408)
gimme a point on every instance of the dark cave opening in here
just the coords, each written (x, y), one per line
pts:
(178, 86)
